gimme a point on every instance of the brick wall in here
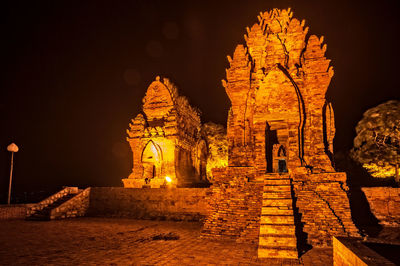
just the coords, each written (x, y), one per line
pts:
(385, 204)
(151, 203)
(235, 205)
(235, 212)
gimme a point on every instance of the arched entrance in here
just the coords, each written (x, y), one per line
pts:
(151, 161)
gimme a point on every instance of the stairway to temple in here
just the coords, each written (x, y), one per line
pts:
(277, 237)
(44, 214)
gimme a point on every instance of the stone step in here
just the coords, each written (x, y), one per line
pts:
(277, 188)
(276, 210)
(277, 202)
(276, 195)
(277, 219)
(277, 252)
(271, 182)
(276, 175)
(277, 229)
(278, 240)
(277, 237)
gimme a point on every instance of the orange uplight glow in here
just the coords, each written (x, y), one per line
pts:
(168, 179)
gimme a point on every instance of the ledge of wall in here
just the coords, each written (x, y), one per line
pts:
(353, 251)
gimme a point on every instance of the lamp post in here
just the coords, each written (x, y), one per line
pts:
(11, 148)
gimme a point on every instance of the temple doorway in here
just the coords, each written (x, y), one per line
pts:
(151, 161)
(282, 166)
(281, 160)
(271, 139)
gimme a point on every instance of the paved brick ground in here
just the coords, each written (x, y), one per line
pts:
(106, 241)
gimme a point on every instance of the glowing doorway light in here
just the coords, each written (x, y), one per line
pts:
(168, 179)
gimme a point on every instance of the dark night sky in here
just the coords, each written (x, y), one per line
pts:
(74, 74)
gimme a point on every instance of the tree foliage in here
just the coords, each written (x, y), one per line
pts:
(217, 142)
(377, 144)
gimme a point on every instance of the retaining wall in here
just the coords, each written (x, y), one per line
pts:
(354, 251)
(150, 203)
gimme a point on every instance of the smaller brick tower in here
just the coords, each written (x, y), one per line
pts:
(165, 140)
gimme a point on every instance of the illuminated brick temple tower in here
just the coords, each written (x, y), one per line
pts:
(165, 141)
(279, 189)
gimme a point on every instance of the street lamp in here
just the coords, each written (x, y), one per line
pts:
(11, 148)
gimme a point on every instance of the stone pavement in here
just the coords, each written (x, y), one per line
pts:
(109, 241)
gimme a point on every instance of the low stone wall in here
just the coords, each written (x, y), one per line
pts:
(14, 211)
(385, 204)
(150, 203)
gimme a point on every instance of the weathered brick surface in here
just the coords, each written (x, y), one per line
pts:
(165, 140)
(324, 208)
(235, 206)
(147, 203)
(385, 204)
